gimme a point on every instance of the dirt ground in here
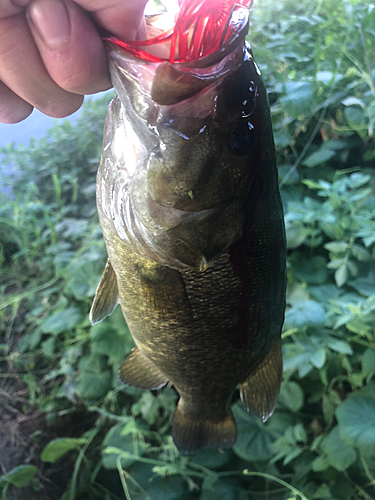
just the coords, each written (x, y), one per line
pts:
(24, 433)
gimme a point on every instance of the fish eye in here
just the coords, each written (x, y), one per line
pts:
(242, 139)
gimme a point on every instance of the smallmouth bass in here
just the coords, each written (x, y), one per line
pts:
(189, 206)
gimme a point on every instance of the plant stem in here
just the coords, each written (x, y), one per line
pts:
(277, 480)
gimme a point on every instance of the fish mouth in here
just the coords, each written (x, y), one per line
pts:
(170, 80)
(202, 32)
(167, 84)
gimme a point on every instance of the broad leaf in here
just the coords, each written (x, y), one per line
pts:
(58, 447)
(62, 321)
(19, 476)
(356, 418)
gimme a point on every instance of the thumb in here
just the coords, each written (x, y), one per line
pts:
(123, 18)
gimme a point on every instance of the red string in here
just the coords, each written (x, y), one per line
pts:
(202, 27)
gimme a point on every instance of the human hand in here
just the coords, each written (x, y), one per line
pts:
(51, 53)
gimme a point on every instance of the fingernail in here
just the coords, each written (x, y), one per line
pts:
(51, 19)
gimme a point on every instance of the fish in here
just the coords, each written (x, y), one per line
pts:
(190, 210)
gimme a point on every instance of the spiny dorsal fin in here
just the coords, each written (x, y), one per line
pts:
(191, 434)
(106, 296)
(138, 371)
(260, 390)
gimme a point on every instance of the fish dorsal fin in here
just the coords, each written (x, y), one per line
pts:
(106, 296)
(260, 390)
(138, 371)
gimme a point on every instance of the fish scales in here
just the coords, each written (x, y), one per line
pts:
(188, 202)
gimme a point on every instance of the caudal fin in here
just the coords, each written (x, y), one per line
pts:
(190, 434)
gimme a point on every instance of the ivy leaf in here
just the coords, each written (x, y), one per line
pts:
(356, 418)
(339, 455)
(255, 438)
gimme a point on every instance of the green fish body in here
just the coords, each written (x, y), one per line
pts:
(188, 201)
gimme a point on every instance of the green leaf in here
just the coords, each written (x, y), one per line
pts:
(324, 76)
(328, 409)
(368, 362)
(356, 418)
(297, 98)
(295, 236)
(291, 396)
(357, 120)
(320, 464)
(211, 459)
(339, 455)
(318, 158)
(365, 284)
(318, 358)
(48, 347)
(111, 342)
(341, 275)
(340, 346)
(254, 438)
(336, 246)
(83, 275)
(94, 380)
(131, 443)
(58, 447)
(352, 101)
(62, 321)
(19, 476)
(214, 488)
(305, 313)
(336, 263)
(167, 488)
(323, 493)
(310, 270)
(282, 139)
(360, 253)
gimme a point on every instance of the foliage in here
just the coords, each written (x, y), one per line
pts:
(316, 59)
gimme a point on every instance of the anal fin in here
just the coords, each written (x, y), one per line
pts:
(191, 434)
(260, 390)
(138, 371)
(106, 296)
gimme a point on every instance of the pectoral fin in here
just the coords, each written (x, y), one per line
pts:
(138, 371)
(260, 390)
(106, 296)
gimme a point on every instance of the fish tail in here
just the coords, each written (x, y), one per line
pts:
(191, 433)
